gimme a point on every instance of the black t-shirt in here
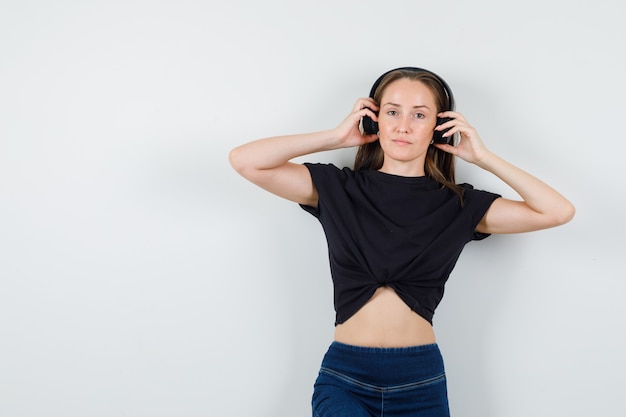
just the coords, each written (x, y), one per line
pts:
(386, 230)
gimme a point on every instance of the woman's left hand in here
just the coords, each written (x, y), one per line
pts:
(470, 147)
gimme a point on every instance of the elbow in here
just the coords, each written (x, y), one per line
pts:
(235, 160)
(565, 214)
(241, 163)
(571, 212)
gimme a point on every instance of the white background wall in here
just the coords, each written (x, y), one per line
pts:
(140, 276)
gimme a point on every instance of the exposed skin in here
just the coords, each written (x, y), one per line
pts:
(407, 118)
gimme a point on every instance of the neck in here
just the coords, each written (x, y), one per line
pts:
(403, 169)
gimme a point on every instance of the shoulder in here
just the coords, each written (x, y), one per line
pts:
(327, 168)
(322, 172)
(476, 203)
(473, 194)
(331, 183)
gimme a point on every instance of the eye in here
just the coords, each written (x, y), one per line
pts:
(419, 115)
(392, 113)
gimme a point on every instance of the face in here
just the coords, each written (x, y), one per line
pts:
(406, 120)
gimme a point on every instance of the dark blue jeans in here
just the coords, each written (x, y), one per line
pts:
(356, 381)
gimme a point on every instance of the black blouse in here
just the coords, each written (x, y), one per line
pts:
(386, 230)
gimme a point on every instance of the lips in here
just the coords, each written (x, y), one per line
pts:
(400, 141)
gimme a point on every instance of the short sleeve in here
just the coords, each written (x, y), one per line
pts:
(326, 178)
(477, 202)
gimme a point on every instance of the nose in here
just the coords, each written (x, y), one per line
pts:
(404, 125)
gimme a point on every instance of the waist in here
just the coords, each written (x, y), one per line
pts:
(385, 321)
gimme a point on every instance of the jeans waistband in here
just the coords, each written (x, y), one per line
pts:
(385, 366)
(384, 350)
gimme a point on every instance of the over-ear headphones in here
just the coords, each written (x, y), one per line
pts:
(371, 127)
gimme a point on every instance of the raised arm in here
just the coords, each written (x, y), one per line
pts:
(541, 207)
(266, 162)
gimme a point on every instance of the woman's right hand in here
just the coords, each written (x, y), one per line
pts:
(348, 133)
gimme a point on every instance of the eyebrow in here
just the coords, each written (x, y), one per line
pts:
(423, 106)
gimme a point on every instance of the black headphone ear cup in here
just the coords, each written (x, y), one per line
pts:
(370, 127)
(438, 134)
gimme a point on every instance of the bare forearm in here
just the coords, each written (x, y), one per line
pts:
(538, 195)
(267, 162)
(275, 151)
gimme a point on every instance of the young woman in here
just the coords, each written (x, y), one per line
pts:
(395, 226)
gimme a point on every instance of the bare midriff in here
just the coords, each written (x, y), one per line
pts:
(385, 321)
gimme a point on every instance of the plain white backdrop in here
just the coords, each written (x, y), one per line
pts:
(140, 276)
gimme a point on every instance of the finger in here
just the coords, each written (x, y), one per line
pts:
(361, 103)
(453, 123)
(453, 115)
(366, 103)
(456, 129)
(366, 111)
